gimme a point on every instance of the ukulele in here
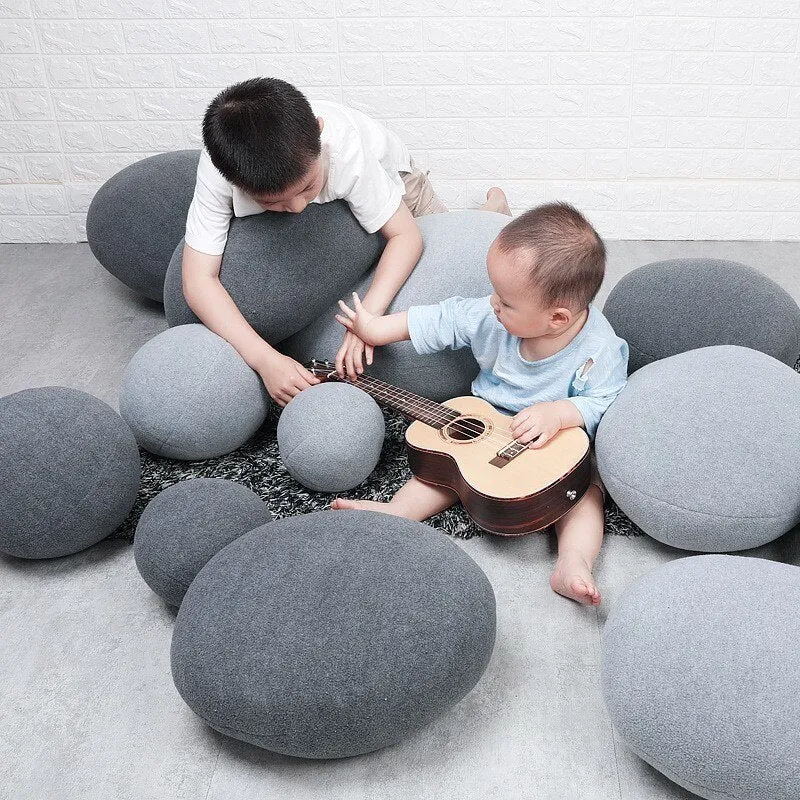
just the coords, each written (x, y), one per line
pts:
(465, 444)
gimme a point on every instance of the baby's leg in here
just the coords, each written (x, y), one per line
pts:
(580, 534)
(414, 500)
(496, 201)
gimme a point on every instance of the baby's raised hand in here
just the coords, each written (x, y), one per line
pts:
(356, 319)
(536, 425)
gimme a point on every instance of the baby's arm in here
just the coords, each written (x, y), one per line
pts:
(374, 329)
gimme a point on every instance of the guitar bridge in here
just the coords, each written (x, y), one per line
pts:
(507, 454)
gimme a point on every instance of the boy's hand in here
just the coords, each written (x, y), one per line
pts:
(536, 425)
(284, 377)
(351, 355)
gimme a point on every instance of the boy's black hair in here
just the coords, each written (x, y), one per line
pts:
(261, 135)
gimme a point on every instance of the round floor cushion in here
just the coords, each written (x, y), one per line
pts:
(700, 450)
(283, 269)
(330, 437)
(452, 263)
(700, 675)
(138, 215)
(186, 524)
(187, 394)
(332, 634)
(69, 472)
(668, 307)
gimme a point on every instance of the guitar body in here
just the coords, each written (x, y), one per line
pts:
(505, 497)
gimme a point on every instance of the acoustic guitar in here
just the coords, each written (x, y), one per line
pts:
(465, 444)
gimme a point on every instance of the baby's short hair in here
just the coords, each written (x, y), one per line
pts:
(261, 134)
(564, 254)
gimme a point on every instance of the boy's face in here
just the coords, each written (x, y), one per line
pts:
(515, 302)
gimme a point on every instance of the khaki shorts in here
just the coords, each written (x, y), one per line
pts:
(420, 197)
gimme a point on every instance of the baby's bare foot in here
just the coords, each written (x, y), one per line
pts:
(573, 579)
(364, 505)
(496, 201)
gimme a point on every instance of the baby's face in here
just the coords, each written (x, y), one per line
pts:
(299, 195)
(514, 301)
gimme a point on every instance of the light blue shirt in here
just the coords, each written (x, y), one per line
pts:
(509, 381)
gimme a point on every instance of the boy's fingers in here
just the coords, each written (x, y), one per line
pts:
(370, 351)
(358, 360)
(348, 360)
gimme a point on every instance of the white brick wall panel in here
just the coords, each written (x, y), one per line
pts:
(36, 229)
(53, 9)
(130, 71)
(46, 199)
(451, 193)
(657, 225)
(733, 225)
(17, 37)
(466, 164)
(794, 103)
(68, 71)
(611, 33)
(79, 196)
(597, 195)
(706, 132)
(790, 166)
(712, 68)
(665, 101)
(769, 197)
(548, 101)
(81, 137)
(664, 163)
(520, 193)
(172, 104)
(383, 35)
(287, 9)
(421, 8)
(87, 104)
(46, 167)
(776, 69)
(708, 197)
(610, 101)
(221, 70)
(785, 226)
(361, 68)
(547, 164)
(6, 114)
(209, 9)
(750, 101)
(601, 133)
(470, 101)
(32, 137)
(741, 164)
(14, 9)
(585, 8)
(464, 34)
(12, 199)
(29, 104)
(12, 169)
(430, 132)
(522, 68)
(507, 8)
(766, 133)
(315, 36)
(647, 132)
(771, 35)
(507, 133)
(357, 8)
(387, 101)
(99, 167)
(780, 8)
(168, 36)
(641, 196)
(138, 136)
(589, 69)
(305, 70)
(658, 33)
(119, 9)
(607, 164)
(21, 71)
(253, 36)
(652, 67)
(548, 34)
(86, 36)
(422, 68)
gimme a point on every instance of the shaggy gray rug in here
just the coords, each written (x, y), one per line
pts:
(258, 466)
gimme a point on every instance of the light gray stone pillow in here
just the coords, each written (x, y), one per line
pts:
(69, 472)
(700, 450)
(186, 524)
(668, 307)
(138, 215)
(283, 269)
(332, 634)
(452, 263)
(330, 437)
(700, 675)
(187, 394)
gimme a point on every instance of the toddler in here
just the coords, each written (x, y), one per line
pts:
(267, 148)
(546, 353)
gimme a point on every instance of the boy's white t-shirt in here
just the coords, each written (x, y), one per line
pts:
(365, 160)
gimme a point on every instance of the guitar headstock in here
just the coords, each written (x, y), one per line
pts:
(324, 370)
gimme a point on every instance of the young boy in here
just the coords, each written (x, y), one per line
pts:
(267, 148)
(545, 352)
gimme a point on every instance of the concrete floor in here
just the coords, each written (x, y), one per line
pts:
(87, 704)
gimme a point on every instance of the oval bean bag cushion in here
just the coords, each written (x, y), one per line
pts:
(700, 449)
(187, 394)
(700, 675)
(668, 307)
(186, 524)
(331, 634)
(69, 472)
(330, 436)
(283, 269)
(452, 263)
(138, 215)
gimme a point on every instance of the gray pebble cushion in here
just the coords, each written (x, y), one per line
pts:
(138, 215)
(700, 675)
(187, 394)
(700, 450)
(186, 524)
(283, 269)
(331, 634)
(668, 307)
(330, 437)
(69, 472)
(452, 263)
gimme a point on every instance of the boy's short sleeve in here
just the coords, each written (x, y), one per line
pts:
(452, 323)
(210, 212)
(596, 388)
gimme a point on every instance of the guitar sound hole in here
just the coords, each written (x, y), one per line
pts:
(465, 429)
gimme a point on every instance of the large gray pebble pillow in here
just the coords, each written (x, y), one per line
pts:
(332, 634)
(283, 269)
(700, 450)
(700, 675)
(668, 307)
(452, 263)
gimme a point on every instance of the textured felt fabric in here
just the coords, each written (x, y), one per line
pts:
(700, 675)
(669, 307)
(283, 269)
(69, 472)
(137, 217)
(332, 634)
(452, 263)
(700, 449)
(330, 437)
(188, 523)
(188, 394)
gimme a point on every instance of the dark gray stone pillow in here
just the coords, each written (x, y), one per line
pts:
(188, 394)
(669, 307)
(69, 472)
(700, 450)
(283, 269)
(186, 524)
(700, 675)
(138, 215)
(331, 634)
(330, 437)
(453, 263)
